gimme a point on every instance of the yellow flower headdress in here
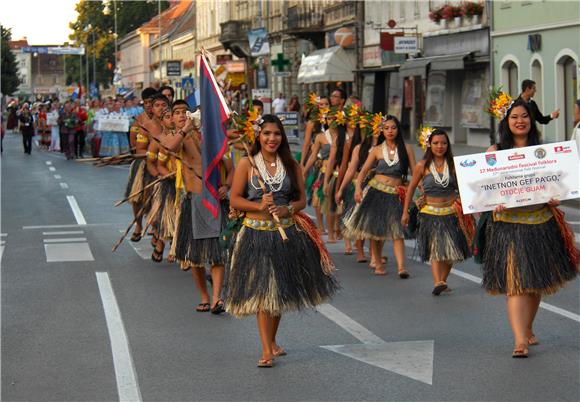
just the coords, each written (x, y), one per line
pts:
(248, 125)
(337, 117)
(311, 105)
(377, 124)
(499, 103)
(352, 115)
(323, 114)
(423, 136)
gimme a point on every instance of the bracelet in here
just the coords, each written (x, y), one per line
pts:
(290, 209)
(180, 132)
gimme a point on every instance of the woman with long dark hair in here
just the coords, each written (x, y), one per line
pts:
(440, 238)
(378, 213)
(268, 276)
(529, 252)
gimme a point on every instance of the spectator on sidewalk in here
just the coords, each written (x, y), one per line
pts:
(528, 92)
(67, 123)
(279, 104)
(294, 104)
(26, 128)
(54, 129)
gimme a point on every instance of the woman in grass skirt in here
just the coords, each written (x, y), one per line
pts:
(441, 237)
(377, 215)
(268, 276)
(529, 251)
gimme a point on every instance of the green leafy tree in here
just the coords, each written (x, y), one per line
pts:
(95, 30)
(10, 78)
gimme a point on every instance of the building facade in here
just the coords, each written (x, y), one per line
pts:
(547, 53)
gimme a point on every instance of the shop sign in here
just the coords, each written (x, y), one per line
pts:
(174, 68)
(406, 44)
(372, 56)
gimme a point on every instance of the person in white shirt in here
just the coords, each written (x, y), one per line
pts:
(279, 104)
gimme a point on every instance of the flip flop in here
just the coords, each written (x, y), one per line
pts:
(265, 363)
(440, 287)
(520, 351)
(380, 272)
(347, 252)
(218, 308)
(202, 308)
(279, 352)
(361, 260)
(533, 341)
(403, 274)
(136, 237)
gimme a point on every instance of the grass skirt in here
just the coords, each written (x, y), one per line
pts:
(163, 214)
(440, 238)
(138, 178)
(269, 275)
(377, 217)
(191, 252)
(348, 204)
(328, 205)
(523, 259)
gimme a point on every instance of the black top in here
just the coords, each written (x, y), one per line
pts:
(433, 189)
(538, 116)
(386, 170)
(281, 197)
(26, 125)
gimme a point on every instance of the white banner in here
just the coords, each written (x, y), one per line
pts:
(518, 177)
(112, 123)
(52, 118)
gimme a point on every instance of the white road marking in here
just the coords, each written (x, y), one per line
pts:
(67, 252)
(66, 240)
(52, 169)
(142, 248)
(2, 244)
(76, 210)
(574, 222)
(127, 385)
(66, 232)
(412, 359)
(67, 226)
(57, 176)
(63, 185)
(348, 324)
(3, 234)
(477, 279)
(48, 162)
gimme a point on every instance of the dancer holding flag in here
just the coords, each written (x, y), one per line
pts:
(269, 276)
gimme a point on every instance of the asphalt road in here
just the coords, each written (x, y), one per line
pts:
(106, 326)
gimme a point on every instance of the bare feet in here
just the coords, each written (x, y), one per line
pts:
(379, 270)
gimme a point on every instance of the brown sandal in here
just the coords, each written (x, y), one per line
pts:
(266, 363)
(533, 341)
(403, 274)
(279, 352)
(520, 351)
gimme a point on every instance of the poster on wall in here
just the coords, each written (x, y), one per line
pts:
(258, 39)
(473, 100)
(435, 108)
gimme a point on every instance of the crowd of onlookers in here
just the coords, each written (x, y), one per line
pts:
(68, 127)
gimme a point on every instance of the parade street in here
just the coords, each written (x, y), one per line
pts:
(80, 322)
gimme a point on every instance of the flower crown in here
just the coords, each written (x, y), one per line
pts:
(337, 117)
(499, 103)
(248, 125)
(311, 105)
(323, 114)
(353, 113)
(424, 135)
(377, 124)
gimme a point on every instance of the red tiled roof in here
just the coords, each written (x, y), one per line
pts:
(168, 16)
(18, 44)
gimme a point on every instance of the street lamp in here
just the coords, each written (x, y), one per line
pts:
(107, 11)
(90, 28)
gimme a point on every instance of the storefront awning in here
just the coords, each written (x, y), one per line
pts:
(332, 64)
(414, 67)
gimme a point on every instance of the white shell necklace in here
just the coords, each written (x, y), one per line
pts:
(276, 181)
(442, 180)
(328, 136)
(386, 155)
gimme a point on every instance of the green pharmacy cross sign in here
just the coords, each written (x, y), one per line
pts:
(280, 62)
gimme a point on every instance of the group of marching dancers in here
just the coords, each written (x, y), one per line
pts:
(358, 171)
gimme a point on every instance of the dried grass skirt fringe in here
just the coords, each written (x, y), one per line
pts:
(269, 275)
(523, 259)
(440, 238)
(191, 252)
(377, 217)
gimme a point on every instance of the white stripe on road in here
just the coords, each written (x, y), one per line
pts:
(68, 232)
(52, 169)
(66, 240)
(348, 324)
(127, 385)
(57, 176)
(560, 311)
(76, 210)
(63, 185)
(48, 162)
(2, 242)
(67, 226)
(3, 234)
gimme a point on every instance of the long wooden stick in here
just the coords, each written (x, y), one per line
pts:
(139, 215)
(154, 182)
(263, 187)
(169, 151)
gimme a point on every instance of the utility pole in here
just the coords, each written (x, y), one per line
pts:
(159, 42)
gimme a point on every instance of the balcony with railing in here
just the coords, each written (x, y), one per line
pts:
(234, 37)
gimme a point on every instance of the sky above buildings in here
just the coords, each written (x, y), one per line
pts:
(42, 22)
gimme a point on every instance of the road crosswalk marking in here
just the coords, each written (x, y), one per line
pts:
(52, 169)
(67, 249)
(63, 185)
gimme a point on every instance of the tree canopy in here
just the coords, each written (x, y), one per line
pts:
(10, 79)
(95, 30)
